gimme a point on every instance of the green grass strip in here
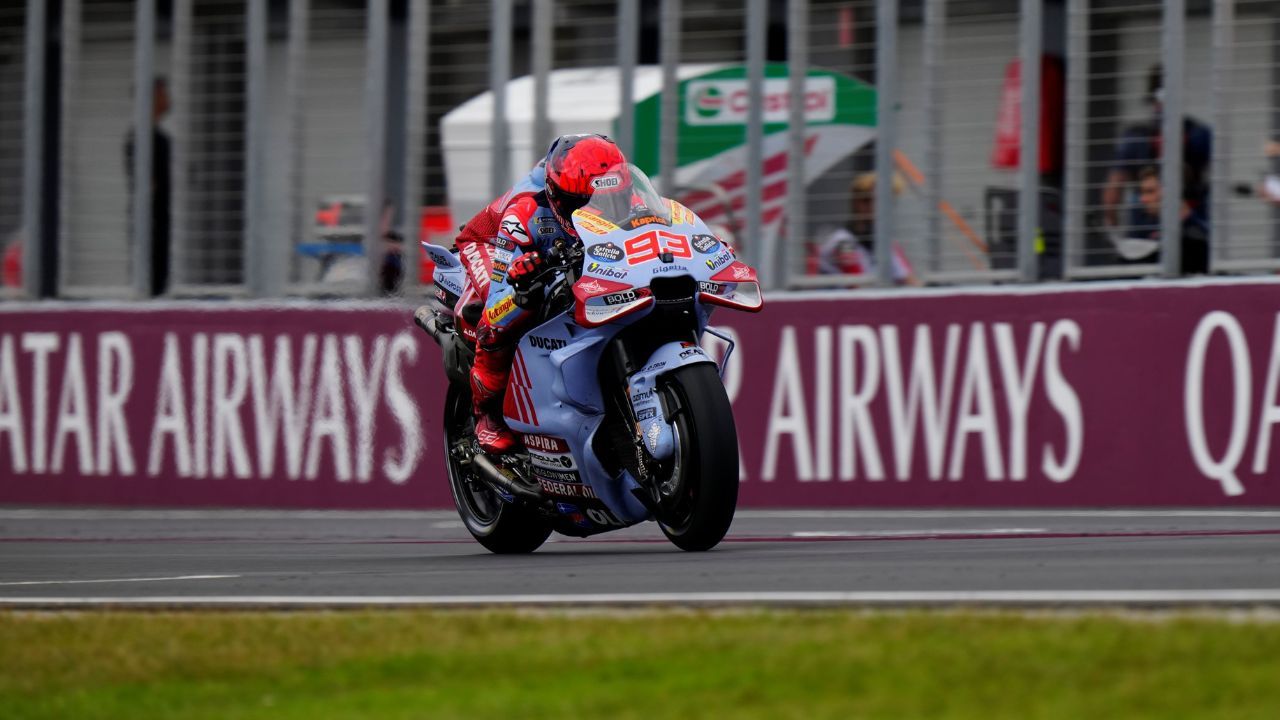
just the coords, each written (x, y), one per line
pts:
(758, 664)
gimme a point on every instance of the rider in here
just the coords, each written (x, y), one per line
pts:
(531, 224)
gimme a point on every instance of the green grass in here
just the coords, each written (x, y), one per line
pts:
(409, 664)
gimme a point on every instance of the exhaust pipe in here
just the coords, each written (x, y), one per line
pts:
(492, 474)
(425, 318)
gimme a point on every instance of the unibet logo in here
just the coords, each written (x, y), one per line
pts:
(708, 102)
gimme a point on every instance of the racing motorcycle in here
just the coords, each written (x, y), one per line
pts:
(623, 415)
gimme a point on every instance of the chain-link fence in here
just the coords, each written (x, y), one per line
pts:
(304, 146)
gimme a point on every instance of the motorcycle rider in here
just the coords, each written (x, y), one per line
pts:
(531, 223)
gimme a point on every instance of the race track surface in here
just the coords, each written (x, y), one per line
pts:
(791, 557)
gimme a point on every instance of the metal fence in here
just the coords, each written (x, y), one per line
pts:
(277, 147)
(13, 48)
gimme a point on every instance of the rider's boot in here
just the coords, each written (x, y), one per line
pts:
(488, 385)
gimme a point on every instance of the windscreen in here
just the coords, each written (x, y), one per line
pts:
(625, 197)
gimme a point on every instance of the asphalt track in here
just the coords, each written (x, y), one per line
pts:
(59, 557)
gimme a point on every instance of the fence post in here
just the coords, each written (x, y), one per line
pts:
(180, 96)
(628, 21)
(1174, 30)
(499, 74)
(668, 124)
(543, 15)
(418, 54)
(935, 18)
(1029, 232)
(1223, 58)
(375, 104)
(797, 77)
(140, 203)
(886, 134)
(1076, 176)
(262, 271)
(763, 254)
(32, 151)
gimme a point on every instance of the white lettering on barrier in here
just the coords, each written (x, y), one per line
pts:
(330, 419)
(1269, 415)
(199, 403)
(977, 394)
(1222, 469)
(278, 402)
(40, 345)
(115, 382)
(170, 413)
(405, 410)
(203, 386)
(857, 431)
(230, 383)
(1064, 399)
(73, 412)
(11, 421)
(866, 356)
(923, 400)
(1017, 389)
(365, 386)
(822, 356)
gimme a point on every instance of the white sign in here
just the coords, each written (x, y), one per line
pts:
(726, 102)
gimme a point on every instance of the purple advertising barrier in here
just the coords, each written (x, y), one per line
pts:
(315, 406)
(1107, 394)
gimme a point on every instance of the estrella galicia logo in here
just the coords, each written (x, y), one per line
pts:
(608, 252)
(723, 258)
(606, 271)
(705, 244)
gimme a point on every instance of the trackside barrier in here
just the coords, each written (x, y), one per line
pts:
(1151, 394)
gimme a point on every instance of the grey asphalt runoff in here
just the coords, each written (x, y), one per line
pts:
(206, 554)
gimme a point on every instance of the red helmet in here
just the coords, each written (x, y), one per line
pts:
(574, 163)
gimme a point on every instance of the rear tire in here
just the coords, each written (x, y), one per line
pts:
(700, 496)
(499, 526)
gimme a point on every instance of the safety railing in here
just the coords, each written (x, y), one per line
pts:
(303, 147)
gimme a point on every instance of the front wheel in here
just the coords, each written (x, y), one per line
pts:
(500, 526)
(699, 493)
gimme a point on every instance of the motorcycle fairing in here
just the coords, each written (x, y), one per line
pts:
(646, 401)
(557, 375)
(449, 272)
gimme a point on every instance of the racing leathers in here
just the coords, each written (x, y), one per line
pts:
(527, 230)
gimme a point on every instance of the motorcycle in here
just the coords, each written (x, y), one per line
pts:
(623, 415)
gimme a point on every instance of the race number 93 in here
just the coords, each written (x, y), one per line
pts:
(648, 246)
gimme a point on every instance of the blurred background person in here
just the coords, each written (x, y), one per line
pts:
(161, 154)
(850, 250)
(1195, 229)
(1140, 146)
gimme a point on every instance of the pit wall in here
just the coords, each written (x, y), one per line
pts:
(1150, 394)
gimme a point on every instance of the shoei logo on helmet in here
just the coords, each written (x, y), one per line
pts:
(605, 182)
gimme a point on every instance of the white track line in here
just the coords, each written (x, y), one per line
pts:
(1020, 598)
(118, 580)
(177, 514)
(913, 533)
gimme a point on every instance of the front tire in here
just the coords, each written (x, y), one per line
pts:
(701, 493)
(499, 526)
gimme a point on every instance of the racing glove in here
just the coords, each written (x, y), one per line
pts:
(525, 268)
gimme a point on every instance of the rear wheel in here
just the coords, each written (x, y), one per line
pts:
(500, 526)
(699, 492)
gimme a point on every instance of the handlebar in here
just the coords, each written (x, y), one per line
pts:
(560, 257)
